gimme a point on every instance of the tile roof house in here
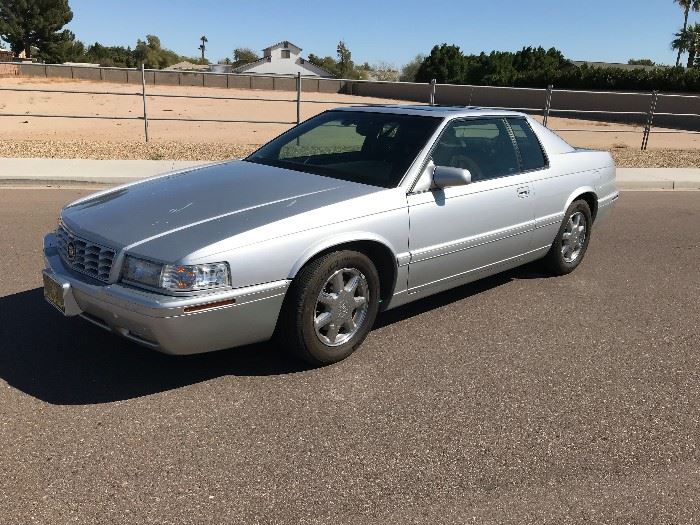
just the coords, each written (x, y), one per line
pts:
(6, 56)
(283, 58)
(187, 66)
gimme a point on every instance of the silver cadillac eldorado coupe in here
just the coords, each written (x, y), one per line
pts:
(354, 211)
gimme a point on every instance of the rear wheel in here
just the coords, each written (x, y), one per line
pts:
(330, 307)
(571, 242)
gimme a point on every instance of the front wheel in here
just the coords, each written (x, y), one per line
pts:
(571, 243)
(330, 307)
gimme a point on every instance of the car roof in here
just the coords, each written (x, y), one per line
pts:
(433, 111)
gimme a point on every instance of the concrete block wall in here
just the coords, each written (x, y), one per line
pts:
(59, 72)
(284, 84)
(167, 78)
(327, 85)
(32, 70)
(192, 79)
(399, 91)
(87, 73)
(257, 82)
(9, 70)
(120, 76)
(309, 85)
(216, 81)
(239, 81)
(133, 76)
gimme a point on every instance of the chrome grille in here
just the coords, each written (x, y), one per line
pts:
(89, 258)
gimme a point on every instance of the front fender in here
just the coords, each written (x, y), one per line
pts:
(337, 240)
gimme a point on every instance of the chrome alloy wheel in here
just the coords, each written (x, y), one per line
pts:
(341, 307)
(574, 237)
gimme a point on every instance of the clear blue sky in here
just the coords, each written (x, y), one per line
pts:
(389, 30)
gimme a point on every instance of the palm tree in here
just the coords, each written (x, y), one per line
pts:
(204, 41)
(694, 47)
(687, 6)
(688, 41)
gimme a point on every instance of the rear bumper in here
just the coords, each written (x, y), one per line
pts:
(165, 323)
(605, 206)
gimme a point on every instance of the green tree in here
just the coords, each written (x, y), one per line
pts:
(641, 62)
(345, 64)
(410, 70)
(445, 63)
(110, 56)
(244, 55)
(38, 23)
(152, 55)
(688, 41)
(328, 63)
(687, 6)
(382, 71)
(66, 49)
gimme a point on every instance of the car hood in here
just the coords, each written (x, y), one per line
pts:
(231, 198)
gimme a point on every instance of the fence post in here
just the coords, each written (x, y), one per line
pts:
(298, 97)
(547, 105)
(143, 93)
(650, 120)
(432, 92)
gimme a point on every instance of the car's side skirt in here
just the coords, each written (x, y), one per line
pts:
(466, 277)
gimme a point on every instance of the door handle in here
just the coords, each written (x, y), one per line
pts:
(523, 192)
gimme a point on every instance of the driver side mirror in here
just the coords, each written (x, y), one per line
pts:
(447, 176)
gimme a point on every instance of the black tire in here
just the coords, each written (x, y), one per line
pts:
(555, 262)
(296, 330)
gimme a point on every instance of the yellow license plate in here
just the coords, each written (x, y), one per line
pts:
(53, 293)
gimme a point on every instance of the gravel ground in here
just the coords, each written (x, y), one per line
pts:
(659, 158)
(83, 149)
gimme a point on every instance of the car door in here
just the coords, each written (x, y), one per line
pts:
(551, 192)
(461, 233)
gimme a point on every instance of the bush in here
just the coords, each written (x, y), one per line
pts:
(537, 67)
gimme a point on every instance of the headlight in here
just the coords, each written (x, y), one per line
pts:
(139, 271)
(197, 277)
(176, 278)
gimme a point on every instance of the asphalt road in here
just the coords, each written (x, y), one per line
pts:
(520, 399)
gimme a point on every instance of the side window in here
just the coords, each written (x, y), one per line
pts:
(483, 146)
(530, 149)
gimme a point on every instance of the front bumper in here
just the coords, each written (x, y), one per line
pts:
(161, 322)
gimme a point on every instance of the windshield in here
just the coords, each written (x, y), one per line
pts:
(358, 146)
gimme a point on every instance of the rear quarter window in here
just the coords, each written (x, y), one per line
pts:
(530, 149)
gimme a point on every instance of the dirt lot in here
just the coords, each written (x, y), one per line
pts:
(28, 136)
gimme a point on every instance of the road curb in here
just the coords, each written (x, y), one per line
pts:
(658, 178)
(88, 172)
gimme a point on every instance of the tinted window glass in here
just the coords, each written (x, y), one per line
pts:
(483, 146)
(530, 149)
(367, 147)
